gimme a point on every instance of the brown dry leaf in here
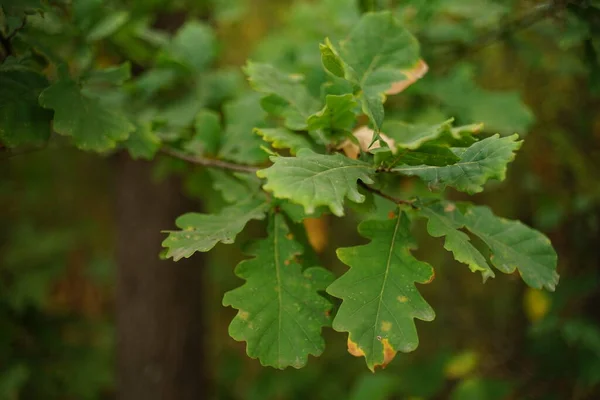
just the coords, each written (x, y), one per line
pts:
(317, 232)
(412, 75)
(364, 135)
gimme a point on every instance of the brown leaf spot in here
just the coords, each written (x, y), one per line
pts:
(388, 354)
(386, 326)
(412, 75)
(287, 262)
(354, 349)
(392, 215)
(289, 236)
(244, 315)
(450, 207)
(402, 299)
(364, 136)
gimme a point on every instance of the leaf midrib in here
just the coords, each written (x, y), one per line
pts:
(385, 277)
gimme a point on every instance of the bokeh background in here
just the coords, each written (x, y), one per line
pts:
(88, 309)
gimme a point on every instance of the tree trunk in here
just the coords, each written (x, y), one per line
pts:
(160, 335)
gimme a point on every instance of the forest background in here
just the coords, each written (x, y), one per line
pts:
(88, 307)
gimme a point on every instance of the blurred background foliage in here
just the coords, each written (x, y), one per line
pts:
(523, 66)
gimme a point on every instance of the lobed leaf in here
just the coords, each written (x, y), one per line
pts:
(282, 138)
(512, 244)
(22, 120)
(281, 313)
(379, 299)
(91, 123)
(201, 232)
(444, 219)
(411, 136)
(484, 160)
(239, 142)
(292, 99)
(336, 119)
(142, 142)
(313, 180)
(377, 53)
(515, 246)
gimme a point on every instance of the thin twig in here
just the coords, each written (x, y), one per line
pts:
(210, 162)
(17, 29)
(386, 196)
(6, 41)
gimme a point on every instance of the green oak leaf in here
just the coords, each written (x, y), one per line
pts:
(427, 155)
(313, 180)
(515, 246)
(280, 312)
(115, 75)
(239, 142)
(234, 187)
(444, 219)
(380, 300)
(484, 160)
(413, 136)
(142, 142)
(375, 55)
(336, 119)
(193, 46)
(91, 123)
(207, 134)
(22, 120)
(201, 232)
(282, 138)
(292, 99)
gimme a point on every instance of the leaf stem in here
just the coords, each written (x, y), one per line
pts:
(210, 162)
(387, 196)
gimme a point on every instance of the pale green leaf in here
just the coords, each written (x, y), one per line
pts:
(336, 119)
(377, 53)
(201, 232)
(297, 101)
(482, 161)
(515, 246)
(92, 124)
(281, 138)
(313, 180)
(380, 300)
(280, 312)
(444, 219)
(413, 136)
(22, 120)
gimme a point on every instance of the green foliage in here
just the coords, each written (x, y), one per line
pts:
(280, 312)
(477, 164)
(373, 58)
(22, 120)
(313, 180)
(201, 232)
(380, 300)
(282, 151)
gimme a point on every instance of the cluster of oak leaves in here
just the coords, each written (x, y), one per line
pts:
(281, 306)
